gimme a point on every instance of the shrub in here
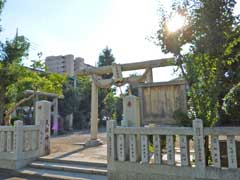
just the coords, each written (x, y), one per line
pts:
(182, 118)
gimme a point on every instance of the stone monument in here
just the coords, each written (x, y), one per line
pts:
(43, 119)
(131, 111)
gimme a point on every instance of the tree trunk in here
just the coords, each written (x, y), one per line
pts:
(180, 64)
(8, 113)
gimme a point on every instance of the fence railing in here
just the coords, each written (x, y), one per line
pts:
(173, 146)
(18, 144)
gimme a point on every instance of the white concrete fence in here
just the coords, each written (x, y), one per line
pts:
(180, 158)
(21, 144)
(18, 145)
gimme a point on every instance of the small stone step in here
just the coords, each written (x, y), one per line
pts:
(58, 175)
(95, 164)
(67, 167)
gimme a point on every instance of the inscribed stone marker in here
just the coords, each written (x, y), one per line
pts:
(133, 148)
(184, 149)
(232, 156)
(215, 151)
(157, 149)
(144, 149)
(170, 150)
(121, 147)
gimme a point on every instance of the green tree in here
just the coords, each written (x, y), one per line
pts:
(106, 99)
(13, 51)
(15, 78)
(71, 98)
(77, 101)
(1, 7)
(210, 27)
(106, 57)
(11, 55)
(27, 79)
(82, 113)
(231, 104)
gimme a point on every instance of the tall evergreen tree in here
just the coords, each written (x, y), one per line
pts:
(106, 57)
(106, 96)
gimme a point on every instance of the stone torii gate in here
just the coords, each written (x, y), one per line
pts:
(118, 80)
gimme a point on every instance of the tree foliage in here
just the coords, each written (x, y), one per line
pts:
(1, 7)
(82, 113)
(107, 100)
(77, 100)
(15, 78)
(110, 105)
(206, 47)
(106, 57)
(231, 103)
(13, 51)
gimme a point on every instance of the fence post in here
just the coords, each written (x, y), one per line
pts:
(198, 138)
(111, 148)
(18, 139)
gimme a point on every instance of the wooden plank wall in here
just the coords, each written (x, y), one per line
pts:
(159, 101)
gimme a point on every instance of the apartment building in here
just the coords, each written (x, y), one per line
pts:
(65, 64)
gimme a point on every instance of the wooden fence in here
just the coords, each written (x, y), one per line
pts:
(171, 152)
(18, 145)
(159, 101)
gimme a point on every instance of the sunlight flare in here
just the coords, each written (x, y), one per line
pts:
(175, 23)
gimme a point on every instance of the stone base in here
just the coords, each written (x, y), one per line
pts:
(93, 143)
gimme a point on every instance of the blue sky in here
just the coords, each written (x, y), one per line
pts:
(84, 27)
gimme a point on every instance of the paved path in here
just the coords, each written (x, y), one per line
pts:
(11, 175)
(67, 147)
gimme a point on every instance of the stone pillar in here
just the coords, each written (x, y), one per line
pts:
(94, 117)
(94, 111)
(131, 111)
(131, 118)
(149, 78)
(200, 158)
(111, 141)
(70, 122)
(43, 119)
(55, 116)
(18, 139)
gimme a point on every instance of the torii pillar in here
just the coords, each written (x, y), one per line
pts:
(94, 111)
(94, 141)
